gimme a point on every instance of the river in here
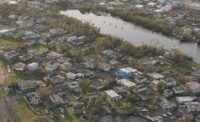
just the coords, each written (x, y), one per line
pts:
(133, 33)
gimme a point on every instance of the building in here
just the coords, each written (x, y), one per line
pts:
(126, 83)
(193, 107)
(166, 105)
(154, 84)
(78, 107)
(185, 99)
(194, 87)
(34, 98)
(113, 96)
(127, 72)
(27, 86)
(170, 82)
(178, 90)
(19, 66)
(56, 100)
(155, 76)
(33, 66)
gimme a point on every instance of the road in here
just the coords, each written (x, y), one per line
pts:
(7, 113)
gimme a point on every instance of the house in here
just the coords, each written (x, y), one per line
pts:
(51, 66)
(58, 79)
(166, 105)
(107, 52)
(167, 93)
(193, 107)
(74, 40)
(104, 66)
(98, 85)
(33, 66)
(19, 66)
(53, 55)
(185, 99)
(78, 107)
(73, 85)
(143, 92)
(34, 98)
(56, 100)
(10, 55)
(27, 86)
(57, 31)
(178, 90)
(155, 76)
(126, 83)
(120, 90)
(127, 72)
(194, 87)
(113, 96)
(154, 84)
(170, 82)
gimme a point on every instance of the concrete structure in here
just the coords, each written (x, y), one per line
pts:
(113, 96)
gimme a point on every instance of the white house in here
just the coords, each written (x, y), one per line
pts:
(113, 96)
(33, 66)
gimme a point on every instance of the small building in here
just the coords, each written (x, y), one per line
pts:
(58, 79)
(185, 99)
(113, 96)
(120, 90)
(178, 90)
(56, 100)
(27, 86)
(127, 72)
(126, 83)
(33, 66)
(104, 67)
(155, 76)
(166, 105)
(57, 31)
(170, 82)
(73, 85)
(51, 66)
(53, 55)
(167, 93)
(194, 87)
(154, 84)
(78, 107)
(34, 98)
(193, 107)
(19, 66)
(74, 40)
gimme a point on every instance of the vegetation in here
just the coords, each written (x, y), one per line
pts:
(24, 113)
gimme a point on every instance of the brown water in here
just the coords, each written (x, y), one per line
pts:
(133, 33)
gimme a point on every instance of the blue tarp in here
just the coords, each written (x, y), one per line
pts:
(34, 37)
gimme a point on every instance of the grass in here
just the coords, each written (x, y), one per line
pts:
(12, 77)
(24, 113)
(7, 43)
(69, 116)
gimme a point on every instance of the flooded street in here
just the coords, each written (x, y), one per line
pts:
(134, 34)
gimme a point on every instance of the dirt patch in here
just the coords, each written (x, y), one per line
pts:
(2, 75)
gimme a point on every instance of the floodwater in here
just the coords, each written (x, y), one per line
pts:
(133, 33)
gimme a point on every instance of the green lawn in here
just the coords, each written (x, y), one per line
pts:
(24, 113)
(18, 77)
(8, 43)
(69, 116)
